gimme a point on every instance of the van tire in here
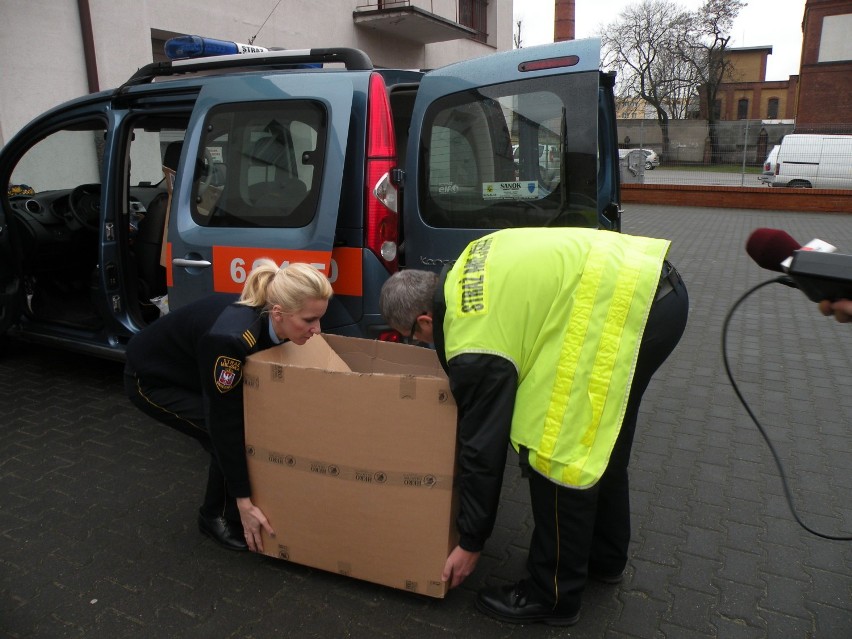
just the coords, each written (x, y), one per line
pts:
(799, 184)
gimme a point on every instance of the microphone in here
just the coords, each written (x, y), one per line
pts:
(770, 247)
(813, 269)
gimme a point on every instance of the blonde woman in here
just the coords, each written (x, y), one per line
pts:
(185, 370)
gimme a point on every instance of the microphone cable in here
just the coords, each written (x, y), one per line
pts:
(787, 492)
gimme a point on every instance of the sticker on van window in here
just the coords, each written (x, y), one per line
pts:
(510, 190)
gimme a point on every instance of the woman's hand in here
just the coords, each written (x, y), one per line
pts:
(459, 565)
(253, 521)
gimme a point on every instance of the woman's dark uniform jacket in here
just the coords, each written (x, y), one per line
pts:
(202, 348)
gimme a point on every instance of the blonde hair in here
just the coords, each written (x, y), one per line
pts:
(288, 286)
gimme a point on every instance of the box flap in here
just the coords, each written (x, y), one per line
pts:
(373, 356)
(315, 353)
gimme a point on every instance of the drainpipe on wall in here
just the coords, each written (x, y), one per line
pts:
(88, 45)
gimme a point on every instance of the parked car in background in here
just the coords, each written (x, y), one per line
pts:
(652, 160)
(769, 165)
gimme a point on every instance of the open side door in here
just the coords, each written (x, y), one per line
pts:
(10, 279)
(50, 218)
(507, 140)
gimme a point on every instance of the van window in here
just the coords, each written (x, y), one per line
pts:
(260, 165)
(64, 159)
(519, 154)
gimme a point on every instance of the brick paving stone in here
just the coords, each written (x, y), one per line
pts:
(98, 535)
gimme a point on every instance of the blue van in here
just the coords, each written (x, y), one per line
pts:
(169, 187)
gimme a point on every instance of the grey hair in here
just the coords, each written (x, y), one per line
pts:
(407, 295)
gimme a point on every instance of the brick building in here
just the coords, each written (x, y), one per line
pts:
(825, 84)
(747, 95)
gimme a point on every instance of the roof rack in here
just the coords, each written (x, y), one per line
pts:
(353, 59)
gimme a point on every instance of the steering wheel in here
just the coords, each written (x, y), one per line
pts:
(84, 204)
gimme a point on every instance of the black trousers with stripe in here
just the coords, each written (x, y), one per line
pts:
(183, 410)
(578, 532)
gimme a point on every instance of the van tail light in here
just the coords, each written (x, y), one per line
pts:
(380, 194)
(391, 336)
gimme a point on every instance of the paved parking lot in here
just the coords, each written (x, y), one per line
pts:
(98, 502)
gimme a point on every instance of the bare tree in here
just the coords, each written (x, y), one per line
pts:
(706, 53)
(516, 37)
(668, 57)
(641, 47)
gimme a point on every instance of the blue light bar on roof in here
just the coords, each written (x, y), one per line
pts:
(183, 47)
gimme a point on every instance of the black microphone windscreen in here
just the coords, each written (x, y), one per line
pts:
(770, 247)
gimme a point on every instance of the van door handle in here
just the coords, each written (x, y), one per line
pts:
(180, 261)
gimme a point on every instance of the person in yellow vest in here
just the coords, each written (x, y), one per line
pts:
(549, 338)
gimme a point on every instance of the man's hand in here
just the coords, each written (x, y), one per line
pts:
(459, 565)
(253, 520)
(841, 309)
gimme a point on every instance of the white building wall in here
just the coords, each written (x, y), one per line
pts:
(41, 50)
(41, 59)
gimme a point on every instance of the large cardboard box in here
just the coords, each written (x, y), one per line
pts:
(351, 447)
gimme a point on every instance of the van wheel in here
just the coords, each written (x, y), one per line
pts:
(799, 184)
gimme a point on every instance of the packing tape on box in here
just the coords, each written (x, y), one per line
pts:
(350, 473)
(407, 383)
(433, 588)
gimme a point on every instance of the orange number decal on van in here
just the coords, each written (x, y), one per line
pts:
(232, 264)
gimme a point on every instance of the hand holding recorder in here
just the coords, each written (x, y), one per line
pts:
(824, 276)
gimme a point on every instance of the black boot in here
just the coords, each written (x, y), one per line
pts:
(517, 604)
(218, 517)
(226, 533)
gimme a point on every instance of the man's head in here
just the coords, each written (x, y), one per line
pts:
(406, 303)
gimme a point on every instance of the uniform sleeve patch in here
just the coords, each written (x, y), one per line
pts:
(227, 373)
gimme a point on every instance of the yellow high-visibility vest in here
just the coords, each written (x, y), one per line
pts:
(567, 307)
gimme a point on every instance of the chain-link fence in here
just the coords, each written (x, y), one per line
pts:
(740, 153)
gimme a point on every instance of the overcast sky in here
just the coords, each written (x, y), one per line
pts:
(775, 23)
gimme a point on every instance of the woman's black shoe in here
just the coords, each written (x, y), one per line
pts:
(222, 532)
(515, 604)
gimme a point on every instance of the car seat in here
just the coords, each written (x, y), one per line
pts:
(281, 189)
(147, 244)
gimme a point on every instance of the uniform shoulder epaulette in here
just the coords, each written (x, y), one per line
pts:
(252, 334)
(249, 336)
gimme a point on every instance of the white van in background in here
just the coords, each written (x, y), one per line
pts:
(811, 160)
(769, 165)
